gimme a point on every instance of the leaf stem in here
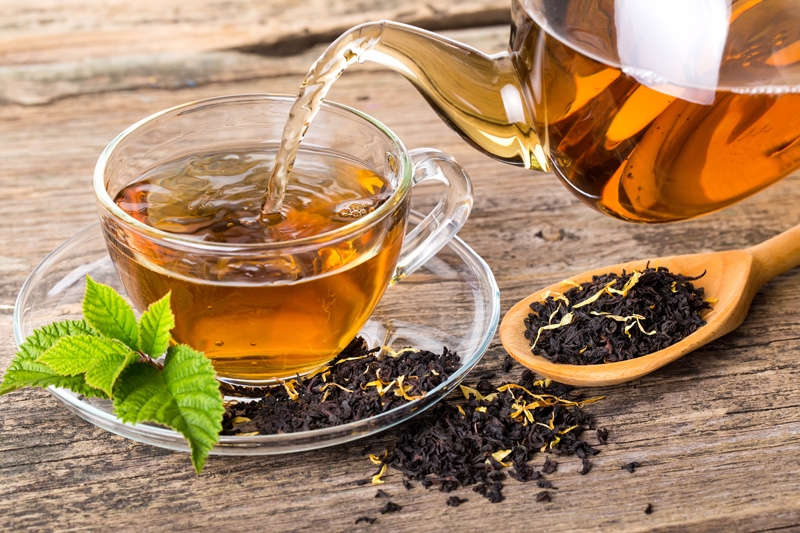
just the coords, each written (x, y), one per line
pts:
(144, 358)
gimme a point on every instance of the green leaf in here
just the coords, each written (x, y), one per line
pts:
(109, 314)
(184, 396)
(26, 371)
(100, 360)
(154, 327)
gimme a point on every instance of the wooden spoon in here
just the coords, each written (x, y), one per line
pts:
(732, 277)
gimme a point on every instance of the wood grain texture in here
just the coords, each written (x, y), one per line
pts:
(717, 432)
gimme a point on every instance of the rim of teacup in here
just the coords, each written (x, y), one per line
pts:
(403, 186)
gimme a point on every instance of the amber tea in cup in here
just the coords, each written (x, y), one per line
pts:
(265, 298)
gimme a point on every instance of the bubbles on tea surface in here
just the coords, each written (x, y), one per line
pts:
(355, 209)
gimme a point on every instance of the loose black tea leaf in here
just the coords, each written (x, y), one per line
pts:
(473, 442)
(648, 509)
(390, 507)
(616, 317)
(382, 494)
(455, 501)
(545, 484)
(366, 519)
(630, 467)
(543, 496)
(549, 466)
(359, 383)
(407, 484)
(586, 467)
(602, 435)
(524, 473)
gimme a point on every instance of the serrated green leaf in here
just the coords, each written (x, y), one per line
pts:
(99, 359)
(26, 371)
(109, 314)
(154, 327)
(184, 396)
(142, 395)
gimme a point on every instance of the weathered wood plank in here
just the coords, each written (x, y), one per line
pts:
(42, 31)
(41, 83)
(717, 433)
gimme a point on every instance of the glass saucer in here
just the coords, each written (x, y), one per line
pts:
(451, 301)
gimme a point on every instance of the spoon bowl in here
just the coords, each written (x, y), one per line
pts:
(732, 278)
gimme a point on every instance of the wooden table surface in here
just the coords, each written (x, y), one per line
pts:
(717, 433)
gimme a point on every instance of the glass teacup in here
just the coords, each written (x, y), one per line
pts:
(179, 199)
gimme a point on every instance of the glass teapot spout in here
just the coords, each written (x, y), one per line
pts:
(477, 95)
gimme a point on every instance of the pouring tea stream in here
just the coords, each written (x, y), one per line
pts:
(732, 278)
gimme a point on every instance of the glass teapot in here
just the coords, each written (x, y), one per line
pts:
(647, 110)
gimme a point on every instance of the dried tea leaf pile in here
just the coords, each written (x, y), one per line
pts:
(359, 383)
(616, 317)
(478, 441)
(492, 432)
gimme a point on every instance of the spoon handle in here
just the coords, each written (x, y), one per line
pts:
(775, 256)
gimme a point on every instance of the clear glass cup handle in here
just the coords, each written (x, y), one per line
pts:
(444, 220)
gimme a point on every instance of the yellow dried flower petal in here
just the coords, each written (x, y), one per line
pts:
(375, 459)
(403, 390)
(248, 434)
(596, 295)
(565, 320)
(332, 384)
(376, 479)
(499, 456)
(628, 286)
(469, 391)
(567, 430)
(398, 353)
(240, 420)
(290, 389)
(555, 295)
